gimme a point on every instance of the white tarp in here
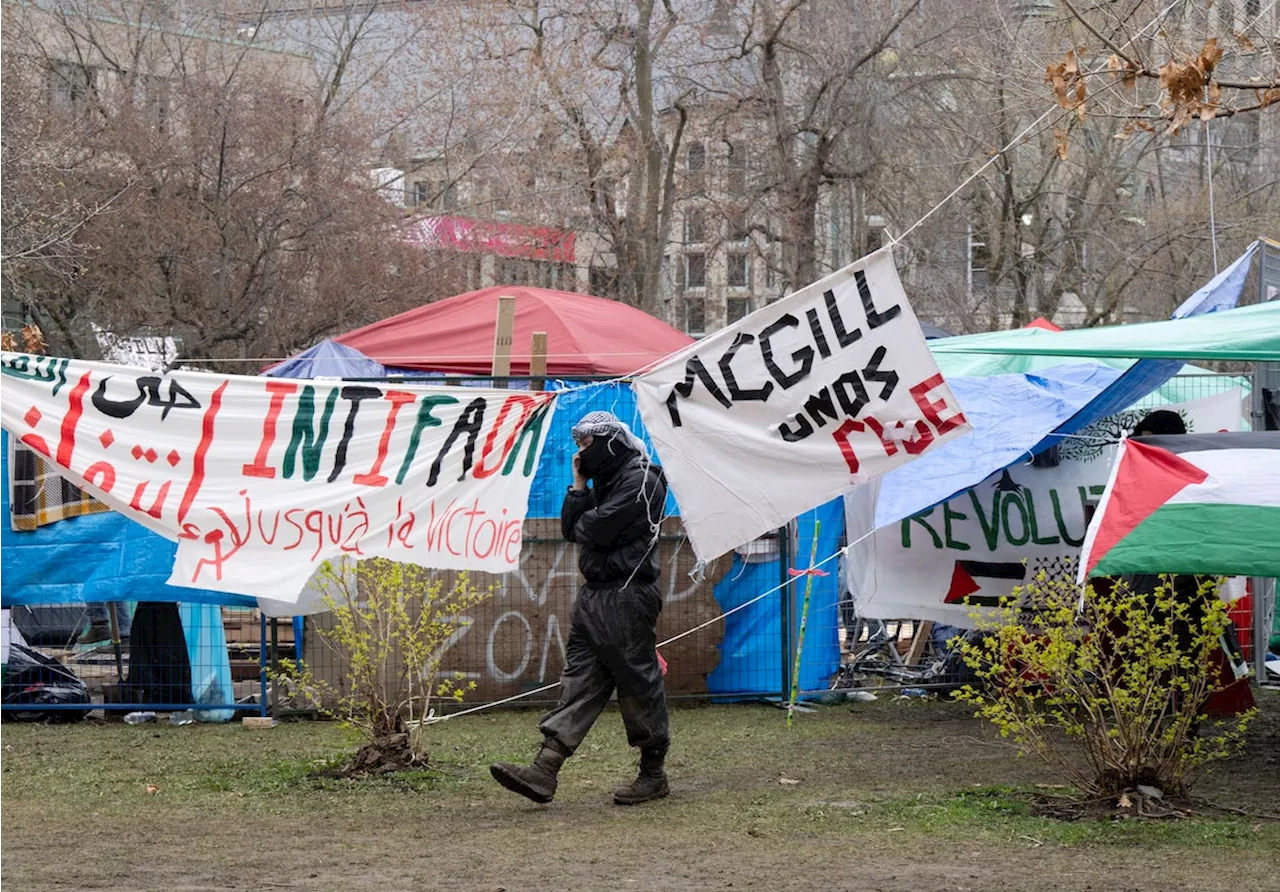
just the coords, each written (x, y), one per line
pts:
(260, 480)
(795, 404)
(985, 541)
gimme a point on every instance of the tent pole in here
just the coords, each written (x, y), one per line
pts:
(784, 595)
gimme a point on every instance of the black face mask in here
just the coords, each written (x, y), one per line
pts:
(602, 459)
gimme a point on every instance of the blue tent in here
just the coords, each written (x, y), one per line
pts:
(328, 359)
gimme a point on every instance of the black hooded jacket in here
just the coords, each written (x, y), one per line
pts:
(615, 523)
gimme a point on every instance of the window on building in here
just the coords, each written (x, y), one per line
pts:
(696, 157)
(695, 162)
(737, 307)
(695, 270)
(735, 170)
(434, 195)
(71, 87)
(739, 270)
(874, 240)
(539, 273)
(979, 260)
(738, 225)
(604, 282)
(695, 226)
(695, 315)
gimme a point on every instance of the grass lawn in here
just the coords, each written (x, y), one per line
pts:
(889, 795)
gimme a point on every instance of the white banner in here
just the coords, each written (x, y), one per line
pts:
(795, 404)
(259, 480)
(986, 541)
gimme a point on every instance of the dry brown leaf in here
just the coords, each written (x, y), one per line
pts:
(1243, 41)
(788, 781)
(1060, 142)
(1210, 55)
(1124, 801)
(33, 337)
(1067, 82)
(152, 789)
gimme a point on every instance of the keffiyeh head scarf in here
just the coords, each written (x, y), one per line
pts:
(608, 425)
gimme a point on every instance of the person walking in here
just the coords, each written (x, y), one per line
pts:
(615, 521)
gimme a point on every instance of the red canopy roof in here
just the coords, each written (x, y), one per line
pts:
(1041, 322)
(585, 335)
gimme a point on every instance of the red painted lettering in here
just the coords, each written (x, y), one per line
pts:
(260, 468)
(202, 449)
(103, 469)
(527, 405)
(841, 435)
(397, 398)
(933, 409)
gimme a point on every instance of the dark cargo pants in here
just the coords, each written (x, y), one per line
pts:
(612, 643)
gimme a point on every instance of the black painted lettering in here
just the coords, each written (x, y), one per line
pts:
(801, 430)
(819, 336)
(875, 319)
(821, 407)
(357, 394)
(694, 370)
(803, 357)
(469, 422)
(843, 337)
(851, 393)
(736, 392)
(888, 378)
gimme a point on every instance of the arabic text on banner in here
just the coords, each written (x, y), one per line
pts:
(260, 480)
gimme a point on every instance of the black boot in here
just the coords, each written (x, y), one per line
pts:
(651, 783)
(537, 781)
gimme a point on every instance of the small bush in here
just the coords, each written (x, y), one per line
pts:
(1107, 687)
(391, 624)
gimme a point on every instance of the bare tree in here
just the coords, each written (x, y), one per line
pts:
(212, 191)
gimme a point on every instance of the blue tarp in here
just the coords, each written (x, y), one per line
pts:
(99, 557)
(1014, 419)
(751, 653)
(1010, 415)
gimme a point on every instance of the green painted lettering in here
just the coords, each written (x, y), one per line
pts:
(920, 519)
(532, 429)
(949, 514)
(1034, 523)
(426, 419)
(990, 531)
(1062, 524)
(1025, 533)
(305, 437)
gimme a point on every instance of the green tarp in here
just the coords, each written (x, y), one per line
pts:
(1246, 333)
(1192, 381)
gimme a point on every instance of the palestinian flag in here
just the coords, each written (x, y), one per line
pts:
(1194, 503)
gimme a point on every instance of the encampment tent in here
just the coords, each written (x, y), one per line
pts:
(585, 335)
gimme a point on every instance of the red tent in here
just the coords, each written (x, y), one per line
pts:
(1041, 322)
(585, 335)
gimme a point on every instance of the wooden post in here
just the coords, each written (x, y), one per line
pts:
(924, 631)
(538, 361)
(502, 336)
